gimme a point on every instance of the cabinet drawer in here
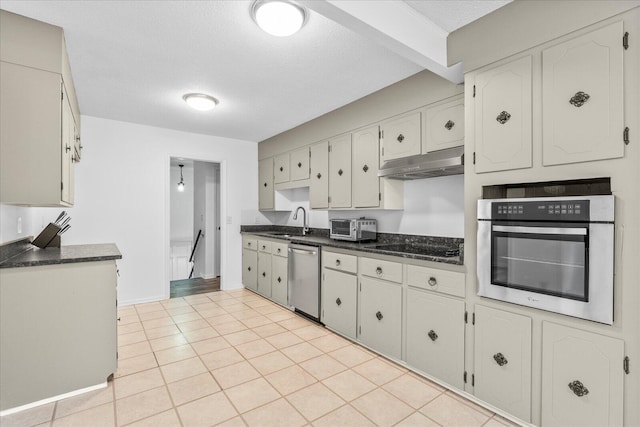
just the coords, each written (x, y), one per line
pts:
(385, 270)
(279, 249)
(250, 243)
(446, 282)
(264, 246)
(341, 262)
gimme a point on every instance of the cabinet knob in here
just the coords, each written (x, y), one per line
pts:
(265, 184)
(248, 243)
(338, 301)
(503, 117)
(264, 274)
(432, 334)
(264, 247)
(248, 268)
(365, 168)
(432, 281)
(337, 263)
(400, 138)
(578, 388)
(67, 148)
(500, 359)
(579, 99)
(379, 271)
(340, 172)
(279, 250)
(379, 315)
(279, 279)
(319, 175)
(299, 164)
(449, 125)
(281, 168)
(118, 319)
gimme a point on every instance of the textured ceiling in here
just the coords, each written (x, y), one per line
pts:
(133, 60)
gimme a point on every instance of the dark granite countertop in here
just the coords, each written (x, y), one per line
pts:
(437, 249)
(63, 255)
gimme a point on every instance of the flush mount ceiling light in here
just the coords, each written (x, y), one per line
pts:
(279, 18)
(181, 183)
(200, 101)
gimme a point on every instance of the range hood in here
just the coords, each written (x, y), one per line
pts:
(449, 161)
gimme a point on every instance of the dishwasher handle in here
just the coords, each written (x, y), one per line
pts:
(302, 251)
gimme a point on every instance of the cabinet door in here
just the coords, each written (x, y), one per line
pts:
(435, 336)
(250, 269)
(582, 378)
(300, 164)
(582, 98)
(281, 168)
(67, 147)
(380, 316)
(279, 279)
(264, 274)
(340, 172)
(443, 125)
(502, 117)
(339, 292)
(503, 360)
(401, 137)
(319, 185)
(366, 184)
(265, 189)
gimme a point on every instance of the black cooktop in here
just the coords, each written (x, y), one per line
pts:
(428, 250)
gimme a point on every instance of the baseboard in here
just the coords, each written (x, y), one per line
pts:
(141, 300)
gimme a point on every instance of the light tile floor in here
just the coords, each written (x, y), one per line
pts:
(236, 359)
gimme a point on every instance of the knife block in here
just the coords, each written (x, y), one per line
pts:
(48, 238)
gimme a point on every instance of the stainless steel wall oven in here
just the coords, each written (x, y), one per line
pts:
(550, 253)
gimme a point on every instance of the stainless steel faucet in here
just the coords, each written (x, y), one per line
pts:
(305, 224)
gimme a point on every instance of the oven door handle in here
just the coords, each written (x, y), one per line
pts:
(581, 231)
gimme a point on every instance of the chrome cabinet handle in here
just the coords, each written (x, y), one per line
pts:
(500, 359)
(578, 388)
(319, 175)
(340, 172)
(338, 301)
(400, 138)
(365, 168)
(337, 263)
(432, 335)
(449, 125)
(503, 117)
(579, 99)
(432, 281)
(379, 271)
(379, 315)
(299, 164)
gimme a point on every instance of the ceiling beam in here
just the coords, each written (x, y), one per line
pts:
(398, 27)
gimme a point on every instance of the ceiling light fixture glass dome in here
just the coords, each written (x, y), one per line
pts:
(279, 18)
(200, 101)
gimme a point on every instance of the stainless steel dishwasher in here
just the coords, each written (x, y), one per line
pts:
(304, 279)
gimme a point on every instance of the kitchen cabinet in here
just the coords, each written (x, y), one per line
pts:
(264, 268)
(400, 136)
(502, 116)
(250, 269)
(339, 301)
(279, 273)
(39, 114)
(582, 98)
(365, 184)
(340, 172)
(265, 184)
(59, 330)
(380, 316)
(381, 269)
(319, 184)
(502, 360)
(443, 125)
(299, 166)
(435, 335)
(281, 168)
(582, 378)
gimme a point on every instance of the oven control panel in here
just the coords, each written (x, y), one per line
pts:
(548, 210)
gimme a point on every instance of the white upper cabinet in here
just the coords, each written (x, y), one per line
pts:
(319, 183)
(582, 98)
(502, 117)
(443, 125)
(281, 168)
(340, 172)
(366, 184)
(400, 137)
(299, 166)
(265, 184)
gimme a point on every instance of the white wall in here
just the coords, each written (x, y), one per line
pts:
(9, 218)
(432, 207)
(181, 203)
(122, 196)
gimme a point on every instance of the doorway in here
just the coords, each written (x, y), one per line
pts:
(194, 230)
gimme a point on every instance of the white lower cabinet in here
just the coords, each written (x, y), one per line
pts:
(502, 358)
(582, 378)
(435, 335)
(380, 316)
(279, 282)
(264, 274)
(339, 301)
(250, 269)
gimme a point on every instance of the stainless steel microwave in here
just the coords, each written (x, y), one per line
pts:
(550, 253)
(355, 230)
